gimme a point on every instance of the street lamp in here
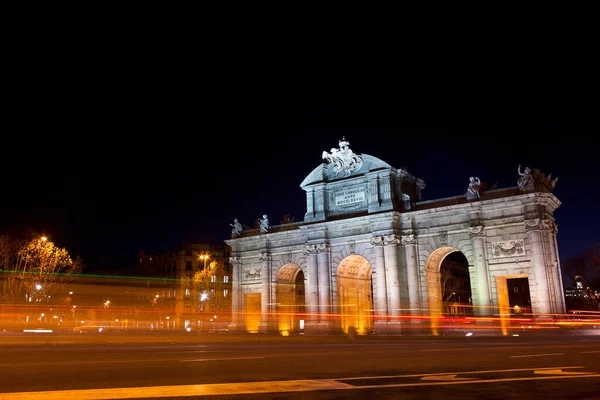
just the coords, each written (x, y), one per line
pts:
(204, 257)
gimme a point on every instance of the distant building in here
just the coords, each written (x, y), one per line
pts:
(171, 275)
(581, 297)
(157, 292)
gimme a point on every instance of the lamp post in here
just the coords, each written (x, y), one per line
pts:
(204, 257)
(203, 297)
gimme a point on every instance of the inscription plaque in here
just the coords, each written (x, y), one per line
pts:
(349, 196)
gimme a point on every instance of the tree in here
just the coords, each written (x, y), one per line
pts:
(34, 269)
(208, 287)
(593, 256)
(584, 269)
(585, 264)
(576, 266)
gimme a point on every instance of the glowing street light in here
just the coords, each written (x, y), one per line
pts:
(204, 257)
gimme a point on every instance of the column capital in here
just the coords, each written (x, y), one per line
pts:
(390, 239)
(310, 249)
(540, 224)
(266, 256)
(377, 240)
(408, 239)
(532, 224)
(235, 260)
(323, 247)
(316, 248)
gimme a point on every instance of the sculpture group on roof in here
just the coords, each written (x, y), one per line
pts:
(343, 159)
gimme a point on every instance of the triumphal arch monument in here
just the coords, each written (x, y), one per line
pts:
(370, 255)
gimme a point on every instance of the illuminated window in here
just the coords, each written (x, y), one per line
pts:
(213, 278)
(187, 293)
(225, 292)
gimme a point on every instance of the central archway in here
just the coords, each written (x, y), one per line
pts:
(355, 295)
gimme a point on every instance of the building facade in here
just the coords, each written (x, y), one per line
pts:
(368, 256)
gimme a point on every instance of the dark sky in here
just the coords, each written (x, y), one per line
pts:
(114, 162)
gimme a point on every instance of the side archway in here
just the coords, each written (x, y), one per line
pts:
(290, 299)
(434, 278)
(355, 299)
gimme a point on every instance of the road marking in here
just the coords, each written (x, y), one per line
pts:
(590, 352)
(557, 372)
(538, 355)
(215, 389)
(182, 390)
(222, 359)
(446, 378)
(491, 371)
(457, 349)
(186, 351)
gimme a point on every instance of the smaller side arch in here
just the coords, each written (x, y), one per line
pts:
(290, 299)
(434, 287)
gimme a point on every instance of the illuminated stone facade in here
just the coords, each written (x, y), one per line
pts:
(369, 251)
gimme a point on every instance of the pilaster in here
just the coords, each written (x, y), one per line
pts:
(412, 271)
(482, 276)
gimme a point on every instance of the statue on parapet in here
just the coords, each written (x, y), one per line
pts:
(535, 180)
(264, 224)
(237, 228)
(473, 188)
(525, 181)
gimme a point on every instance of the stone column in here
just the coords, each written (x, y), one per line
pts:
(380, 295)
(562, 308)
(324, 281)
(319, 204)
(412, 271)
(390, 252)
(310, 208)
(312, 289)
(538, 264)
(236, 320)
(265, 288)
(477, 235)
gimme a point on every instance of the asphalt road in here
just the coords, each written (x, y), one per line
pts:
(251, 367)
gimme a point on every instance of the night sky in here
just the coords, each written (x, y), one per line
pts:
(109, 167)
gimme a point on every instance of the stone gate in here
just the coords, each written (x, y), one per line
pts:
(367, 259)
